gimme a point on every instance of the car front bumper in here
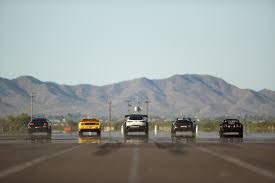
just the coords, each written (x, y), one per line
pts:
(136, 128)
(228, 130)
(90, 130)
(183, 129)
(42, 129)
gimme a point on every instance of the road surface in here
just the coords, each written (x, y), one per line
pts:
(133, 159)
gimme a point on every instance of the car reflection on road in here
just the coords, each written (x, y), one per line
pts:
(231, 139)
(39, 138)
(89, 139)
(136, 139)
(182, 139)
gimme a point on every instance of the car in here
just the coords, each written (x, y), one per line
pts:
(183, 125)
(40, 125)
(231, 126)
(89, 125)
(136, 123)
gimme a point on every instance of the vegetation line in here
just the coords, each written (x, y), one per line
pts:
(18, 124)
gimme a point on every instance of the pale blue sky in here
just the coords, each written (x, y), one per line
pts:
(103, 41)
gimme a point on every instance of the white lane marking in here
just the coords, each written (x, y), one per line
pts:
(134, 172)
(240, 163)
(18, 168)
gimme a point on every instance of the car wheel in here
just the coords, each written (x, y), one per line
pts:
(80, 134)
(146, 133)
(125, 132)
(173, 132)
(241, 134)
(221, 135)
(98, 133)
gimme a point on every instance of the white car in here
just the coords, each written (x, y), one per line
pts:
(136, 123)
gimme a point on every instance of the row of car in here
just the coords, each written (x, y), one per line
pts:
(138, 123)
(226, 128)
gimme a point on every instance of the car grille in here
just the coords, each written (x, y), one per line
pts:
(90, 124)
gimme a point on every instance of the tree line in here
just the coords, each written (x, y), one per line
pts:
(14, 123)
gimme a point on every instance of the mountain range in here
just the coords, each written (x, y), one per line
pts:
(189, 95)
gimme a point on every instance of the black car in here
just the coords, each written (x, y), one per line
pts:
(40, 125)
(231, 127)
(183, 125)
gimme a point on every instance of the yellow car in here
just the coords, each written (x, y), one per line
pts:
(89, 125)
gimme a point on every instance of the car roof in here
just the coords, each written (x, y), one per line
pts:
(88, 119)
(37, 119)
(182, 119)
(136, 115)
(231, 119)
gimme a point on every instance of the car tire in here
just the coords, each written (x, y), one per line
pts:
(241, 134)
(173, 132)
(98, 133)
(80, 134)
(221, 135)
(146, 133)
(125, 132)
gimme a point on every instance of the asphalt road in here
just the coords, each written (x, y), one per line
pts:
(133, 159)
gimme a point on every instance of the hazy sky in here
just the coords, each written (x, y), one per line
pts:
(104, 41)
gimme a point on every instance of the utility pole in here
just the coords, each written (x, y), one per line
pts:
(129, 105)
(147, 107)
(147, 110)
(31, 104)
(139, 107)
(110, 115)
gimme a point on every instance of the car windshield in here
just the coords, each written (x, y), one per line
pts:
(182, 121)
(135, 118)
(232, 121)
(90, 120)
(39, 120)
